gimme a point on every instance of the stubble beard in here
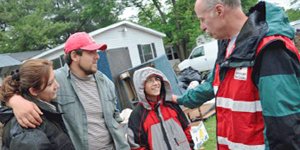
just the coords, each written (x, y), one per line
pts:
(88, 71)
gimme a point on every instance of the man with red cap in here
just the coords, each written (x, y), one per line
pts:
(86, 97)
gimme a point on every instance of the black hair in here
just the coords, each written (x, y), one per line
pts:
(68, 58)
(162, 87)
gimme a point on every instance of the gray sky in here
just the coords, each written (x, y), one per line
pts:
(128, 12)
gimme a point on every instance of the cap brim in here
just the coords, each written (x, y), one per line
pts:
(95, 46)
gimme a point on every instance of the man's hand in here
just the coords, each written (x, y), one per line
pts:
(26, 112)
(174, 99)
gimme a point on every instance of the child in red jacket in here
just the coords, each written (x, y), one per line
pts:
(156, 123)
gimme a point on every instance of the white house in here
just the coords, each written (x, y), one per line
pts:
(142, 43)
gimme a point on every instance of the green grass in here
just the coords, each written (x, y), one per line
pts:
(210, 125)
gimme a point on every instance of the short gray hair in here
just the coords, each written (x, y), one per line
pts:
(229, 3)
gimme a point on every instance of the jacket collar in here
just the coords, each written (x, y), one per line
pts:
(253, 31)
(44, 106)
(264, 19)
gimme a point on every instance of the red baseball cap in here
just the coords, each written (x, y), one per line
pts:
(83, 41)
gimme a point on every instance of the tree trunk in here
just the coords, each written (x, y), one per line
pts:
(178, 28)
(158, 6)
(181, 51)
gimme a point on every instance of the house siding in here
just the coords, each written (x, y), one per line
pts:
(118, 37)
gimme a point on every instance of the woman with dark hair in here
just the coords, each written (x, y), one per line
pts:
(35, 80)
(156, 123)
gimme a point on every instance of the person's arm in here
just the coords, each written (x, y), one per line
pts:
(117, 112)
(277, 76)
(33, 140)
(26, 112)
(197, 96)
(136, 136)
(132, 142)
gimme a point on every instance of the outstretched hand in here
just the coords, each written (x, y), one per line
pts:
(26, 112)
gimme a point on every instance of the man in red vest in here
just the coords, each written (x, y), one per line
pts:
(256, 79)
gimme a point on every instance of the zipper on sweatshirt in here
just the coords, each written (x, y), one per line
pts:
(162, 127)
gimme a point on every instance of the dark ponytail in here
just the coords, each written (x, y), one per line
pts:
(10, 86)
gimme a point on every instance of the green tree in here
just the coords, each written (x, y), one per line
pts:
(187, 26)
(176, 18)
(42, 24)
(25, 26)
(293, 14)
(247, 4)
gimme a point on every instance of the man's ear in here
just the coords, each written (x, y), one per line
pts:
(74, 56)
(219, 9)
(33, 92)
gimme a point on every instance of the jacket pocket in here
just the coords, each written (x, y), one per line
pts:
(67, 106)
(178, 139)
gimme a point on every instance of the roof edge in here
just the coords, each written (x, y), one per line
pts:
(96, 32)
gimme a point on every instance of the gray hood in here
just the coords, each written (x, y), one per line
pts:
(139, 78)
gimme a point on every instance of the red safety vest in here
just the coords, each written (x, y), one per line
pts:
(240, 122)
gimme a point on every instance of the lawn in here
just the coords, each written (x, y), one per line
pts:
(210, 125)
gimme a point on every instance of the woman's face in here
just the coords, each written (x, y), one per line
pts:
(153, 86)
(49, 93)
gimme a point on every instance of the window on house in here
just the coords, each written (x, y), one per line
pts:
(58, 62)
(146, 52)
(62, 59)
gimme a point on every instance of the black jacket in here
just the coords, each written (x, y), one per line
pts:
(50, 135)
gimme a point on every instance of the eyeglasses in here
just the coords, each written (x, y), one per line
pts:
(152, 80)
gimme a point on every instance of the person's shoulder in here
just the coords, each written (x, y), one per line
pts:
(29, 138)
(16, 130)
(60, 71)
(173, 106)
(100, 74)
(138, 114)
(138, 109)
(102, 77)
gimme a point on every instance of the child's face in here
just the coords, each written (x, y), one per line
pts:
(153, 86)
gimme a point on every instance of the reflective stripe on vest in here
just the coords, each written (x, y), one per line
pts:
(239, 106)
(239, 146)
